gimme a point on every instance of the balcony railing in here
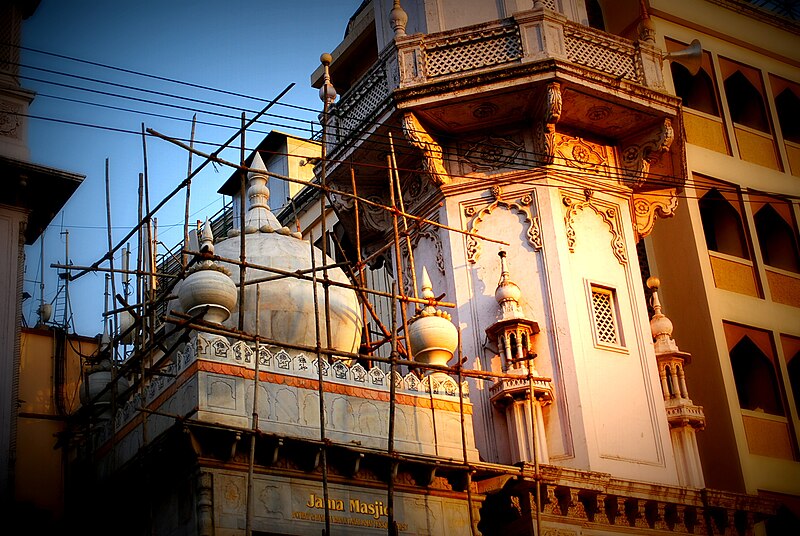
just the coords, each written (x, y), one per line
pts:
(527, 37)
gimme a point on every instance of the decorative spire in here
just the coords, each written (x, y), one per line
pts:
(398, 19)
(507, 293)
(660, 326)
(327, 93)
(259, 216)
(207, 239)
(427, 290)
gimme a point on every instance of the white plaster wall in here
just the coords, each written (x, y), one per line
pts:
(620, 400)
(10, 221)
(608, 413)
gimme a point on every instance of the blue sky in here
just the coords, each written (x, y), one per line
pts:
(246, 47)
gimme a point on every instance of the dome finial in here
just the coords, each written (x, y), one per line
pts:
(432, 335)
(259, 216)
(207, 239)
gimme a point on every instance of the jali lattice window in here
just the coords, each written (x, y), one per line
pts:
(605, 315)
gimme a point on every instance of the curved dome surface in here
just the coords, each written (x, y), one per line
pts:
(286, 308)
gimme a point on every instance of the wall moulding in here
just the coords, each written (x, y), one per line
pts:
(519, 202)
(608, 213)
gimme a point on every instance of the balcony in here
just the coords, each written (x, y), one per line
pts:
(507, 61)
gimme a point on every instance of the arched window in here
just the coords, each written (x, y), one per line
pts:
(595, 15)
(756, 382)
(722, 225)
(787, 105)
(696, 91)
(745, 102)
(777, 240)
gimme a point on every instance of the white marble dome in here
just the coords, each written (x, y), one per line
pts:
(286, 305)
(286, 308)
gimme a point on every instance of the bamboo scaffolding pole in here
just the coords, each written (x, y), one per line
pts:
(460, 380)
(254, 425)
(349, 195)
(361, 275)
(211, 158)
(334, 283)
(390, 443)
(115, 323)
(321, 389)
(398, 259)
(184, 257)
(242, 233)
(148, 326)
(404, 219)
(116, 271)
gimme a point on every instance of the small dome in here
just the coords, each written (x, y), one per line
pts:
(431, 333)
(208, 285)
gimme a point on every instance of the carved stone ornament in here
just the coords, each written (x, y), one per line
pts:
(545, 129)
(608, 215)
(520, 206)
(581, 154)
(9, 119)
(433, 156)
(646, 208)
(639, 156)
(492, 153)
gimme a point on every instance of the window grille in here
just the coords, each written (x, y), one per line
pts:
(605, 318)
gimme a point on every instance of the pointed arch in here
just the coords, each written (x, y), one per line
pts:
(745, 102)
(696, 91)
(777, 240)
(722, 225)
(756, 380)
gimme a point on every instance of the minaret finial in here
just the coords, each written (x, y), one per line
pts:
(398, 19)
(327, 93)
(660, 326)
(507, 293)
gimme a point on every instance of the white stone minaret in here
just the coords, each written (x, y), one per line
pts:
(684, 417)
(522, 398)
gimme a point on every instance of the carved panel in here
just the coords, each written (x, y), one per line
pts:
(608, 214)
(10, 119)
(491, 153)
(521, 206)
(581, 154)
